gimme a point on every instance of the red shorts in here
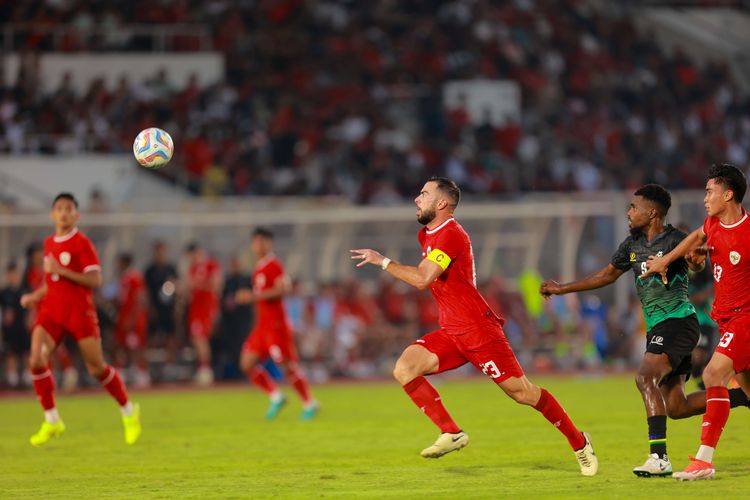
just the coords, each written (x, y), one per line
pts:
(487, 350)
(274, 343)
(77, 325)
(735, 341)
(201, 322)
(135, 337)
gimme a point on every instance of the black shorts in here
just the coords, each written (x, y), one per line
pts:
(675, 337)
(17, 341)
(162, 323)
(709, 337)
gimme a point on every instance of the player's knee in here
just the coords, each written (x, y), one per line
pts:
(404, 372)
(37, 361)
(646, 380)
(712, 377)
(526, 395)
(95, 369)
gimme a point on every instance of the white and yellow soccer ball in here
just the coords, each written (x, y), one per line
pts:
(153, 148)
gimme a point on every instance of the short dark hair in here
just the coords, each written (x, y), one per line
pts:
(192, 247)
(126, 259)
(730, 177)
(65, 196)
(11, 266)
(264, 232)
(448, 187)
(657, 195)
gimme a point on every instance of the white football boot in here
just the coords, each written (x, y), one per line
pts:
(446, 443)
(654, 467)
(587, 458)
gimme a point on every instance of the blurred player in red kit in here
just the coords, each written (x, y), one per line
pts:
(725, 237)
(469, 330)
(131, 326)
(204, 284)
(66, 307)
(272, 336)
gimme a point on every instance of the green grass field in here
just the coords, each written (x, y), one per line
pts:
(365, 443)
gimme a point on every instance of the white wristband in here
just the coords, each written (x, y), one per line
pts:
(384, 264)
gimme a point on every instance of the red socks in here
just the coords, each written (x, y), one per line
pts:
(427, 399)
(44, 386)
(112, 382)
(297, 380)
(552, 411)
(717, 413)
(259, 376)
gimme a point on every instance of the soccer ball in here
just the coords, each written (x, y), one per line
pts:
(153, 148)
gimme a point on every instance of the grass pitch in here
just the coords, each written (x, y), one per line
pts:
(365, 443)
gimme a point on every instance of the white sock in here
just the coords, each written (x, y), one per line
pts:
(276, 396)
(52, 416)
(705, 453)
(310, 404)
(127, 409)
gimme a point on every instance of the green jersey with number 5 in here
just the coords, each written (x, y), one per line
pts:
(659, 301)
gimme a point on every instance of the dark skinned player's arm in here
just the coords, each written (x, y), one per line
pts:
(603, 277)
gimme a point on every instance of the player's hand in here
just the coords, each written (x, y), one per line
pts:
(367, 256)
(697, 256)
(656, 265)
(28, 300)
(244, 296)
(549, 287)
(51, 266)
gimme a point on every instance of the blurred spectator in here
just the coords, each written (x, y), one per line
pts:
(131, 325)
(15, 337)
(235, 323)
(161, 283)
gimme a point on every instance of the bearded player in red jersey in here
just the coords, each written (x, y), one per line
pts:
(66, 306)
(272, 336)
(469, 330)
(726, 235)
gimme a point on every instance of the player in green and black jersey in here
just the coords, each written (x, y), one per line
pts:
(671, 322)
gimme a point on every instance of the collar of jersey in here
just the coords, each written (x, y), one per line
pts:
(65, 237)
(264, 260)
(730, 226)
(441, 226)
(667, 229)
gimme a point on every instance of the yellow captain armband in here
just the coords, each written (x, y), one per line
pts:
(440, 258)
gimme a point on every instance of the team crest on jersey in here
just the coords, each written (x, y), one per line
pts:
(660, 254)
(734, 257)
(632, 256)
(65, 258)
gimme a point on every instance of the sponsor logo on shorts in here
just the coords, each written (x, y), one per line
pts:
(657, 340)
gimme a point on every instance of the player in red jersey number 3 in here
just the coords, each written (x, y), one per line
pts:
(469, 330)
(66, 307)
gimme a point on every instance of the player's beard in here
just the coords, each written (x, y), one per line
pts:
(426, 216)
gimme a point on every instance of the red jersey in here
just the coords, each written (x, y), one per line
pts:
(35, 277)
(729, 250)
(271, 312)
(132, 289)
(461, 308)
(203, 275)
(75, 252)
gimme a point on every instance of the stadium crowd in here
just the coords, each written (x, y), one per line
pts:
(322, 98)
